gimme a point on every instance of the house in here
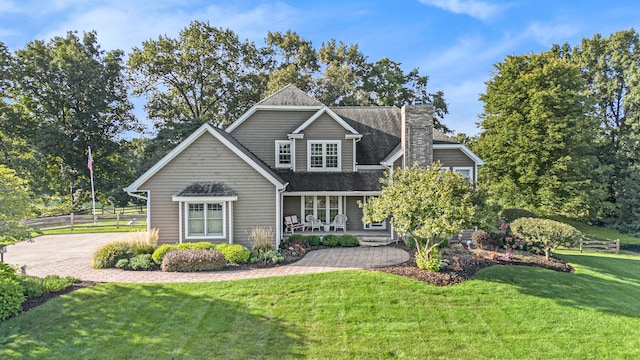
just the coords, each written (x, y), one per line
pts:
(289, 154)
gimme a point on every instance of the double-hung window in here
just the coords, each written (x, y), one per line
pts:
(323, 155)
(205, 220)
(284, 154)
(466, 172)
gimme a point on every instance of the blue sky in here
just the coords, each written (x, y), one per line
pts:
(454, 42)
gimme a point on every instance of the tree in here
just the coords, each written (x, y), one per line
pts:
(548, 233)
(611, 68)
(536, 138)
(344, 69)
(424, 203)
(206, 73)
(15, 206)
(71, 94)
(293, 61)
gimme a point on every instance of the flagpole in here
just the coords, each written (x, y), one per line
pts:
(93, 194)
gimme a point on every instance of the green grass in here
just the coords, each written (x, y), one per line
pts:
(100, 227)
(507, 312)
(603, 232)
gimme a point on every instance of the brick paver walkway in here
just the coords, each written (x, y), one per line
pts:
(70, 255)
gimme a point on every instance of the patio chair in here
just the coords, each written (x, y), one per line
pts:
(313, 223)
(291, 223)
(339, 222)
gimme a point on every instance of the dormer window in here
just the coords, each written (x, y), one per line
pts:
(284, 154)
(323, 156)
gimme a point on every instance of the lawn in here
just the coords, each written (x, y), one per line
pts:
(603, 232)
(505, 312)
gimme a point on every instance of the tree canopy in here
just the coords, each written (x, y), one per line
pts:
(15, 206)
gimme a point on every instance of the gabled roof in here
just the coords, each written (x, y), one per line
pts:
(290, 95)
(333, 115)
(209, 188)
(224, 138)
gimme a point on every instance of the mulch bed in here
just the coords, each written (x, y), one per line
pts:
(467, 263)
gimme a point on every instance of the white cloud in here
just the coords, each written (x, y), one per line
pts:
(548, 34)
(477, 9)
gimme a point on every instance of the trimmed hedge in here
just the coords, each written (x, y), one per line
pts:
(348, 240)
(314, 240)
(545, 233)
(233, 253)
(331, 240)
(190, 260)
(159, 253)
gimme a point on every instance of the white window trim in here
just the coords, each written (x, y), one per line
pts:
(291, 147)
(324, 155)
(327, 205)
(224, 220)
(464, 168)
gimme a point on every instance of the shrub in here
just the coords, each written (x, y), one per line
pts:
(347, 240)
(11, 297)
(189, 260)
(267, 256)
(549, 234)
(7, 270)
(108, 255)
(511, 214)
(32, 286)
(234, 253)
(143, 239)
(428, 260)
(141, 262)
(314, 240)
(123, 264)
(262, 238)
(159, 253)
(297, 239)
(481, 238)
(330, 240)
(54, 283)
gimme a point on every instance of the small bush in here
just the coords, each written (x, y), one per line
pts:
(189, 260)
(54, 283)
(331, 240)
(159, 253)
(262, 238)
(141, 262)
(481, 238)
(547, 234)
(33, 286)
(509, 215)
(267, 256)
(347, 240)
(314, 240)
(108, 255)
(297, 239)
(7, 270)
(11, 297)
(123, 264)
(234, 253)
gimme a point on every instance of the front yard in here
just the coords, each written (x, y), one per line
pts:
(504, 312)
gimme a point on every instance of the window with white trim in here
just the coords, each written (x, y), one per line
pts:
(205, 220)
(323, 155)
(323, 208)
(466, 172)
(284, 154)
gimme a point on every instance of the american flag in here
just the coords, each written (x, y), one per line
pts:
(90, 162)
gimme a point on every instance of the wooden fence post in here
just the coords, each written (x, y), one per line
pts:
(71, 220)
(617, 246)
(117, 219)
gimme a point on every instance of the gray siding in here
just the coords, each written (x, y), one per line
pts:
(206, 159)
(453, 158)
(325, 128)
(291, 206)
(259, 132)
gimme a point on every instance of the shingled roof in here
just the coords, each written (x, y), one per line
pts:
(333, 181)
(290, 95)
(211, 188)
(381, 127)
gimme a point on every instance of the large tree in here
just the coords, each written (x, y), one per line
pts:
(15, 206)
(205, 73)
(611, 68)
(536, 137)
(70, 94)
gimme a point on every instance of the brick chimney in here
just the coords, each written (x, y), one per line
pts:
(417, 135)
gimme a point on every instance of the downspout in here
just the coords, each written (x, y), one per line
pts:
(279, 215)
(131, 193)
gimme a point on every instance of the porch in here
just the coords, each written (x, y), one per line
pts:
(366, 237)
